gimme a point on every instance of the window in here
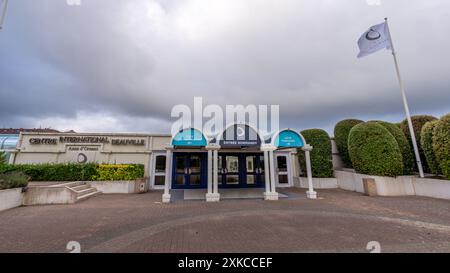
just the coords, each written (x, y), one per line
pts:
(159, 171)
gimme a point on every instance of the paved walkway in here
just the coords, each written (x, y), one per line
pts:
(339, 221)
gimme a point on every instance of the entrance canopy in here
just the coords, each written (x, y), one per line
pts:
(189, 138)
(288, 138)
(240, 136)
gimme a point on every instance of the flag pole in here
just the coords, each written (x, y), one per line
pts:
(3, 14)
(405, 104)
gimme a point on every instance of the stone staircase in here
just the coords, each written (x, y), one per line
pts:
(82, 189)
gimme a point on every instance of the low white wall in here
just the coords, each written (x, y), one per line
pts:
(318, 183)
(432, 187)
(49, 195)
(11, 198)
(395, 186)
(114, 186)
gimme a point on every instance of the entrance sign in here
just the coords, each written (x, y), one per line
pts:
(238, 136)
(289, 139)
(189, 138)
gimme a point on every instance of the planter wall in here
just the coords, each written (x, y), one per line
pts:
(318, 183)
(10, 198)
(119, 186)
(395, 186)
(49, 195)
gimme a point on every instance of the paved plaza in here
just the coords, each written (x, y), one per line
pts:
(339, 221)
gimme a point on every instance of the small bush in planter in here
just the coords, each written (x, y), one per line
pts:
(321, 157)
(418, 122)
(426, 141)
(441, 144)
(374, 151)
(341, 132)
(403, 144)
(13, 180)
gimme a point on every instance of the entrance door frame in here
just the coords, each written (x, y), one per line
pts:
(154, 173)
(203, 171)
(242, 173)
(288, 172)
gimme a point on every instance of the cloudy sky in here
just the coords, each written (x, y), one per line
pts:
(121, 65)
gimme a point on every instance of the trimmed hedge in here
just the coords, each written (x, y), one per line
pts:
(74, 172)
(426, 141)
(321, 155)
(2, 158)
(441, 144)
(119, 172)
(403, 144)
(374, 151)
(418, 122)
(13, 180)
(341, 132)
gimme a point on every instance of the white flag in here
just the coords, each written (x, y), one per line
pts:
(374, 39)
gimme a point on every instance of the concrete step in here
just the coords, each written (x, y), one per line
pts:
(69, 184)
(86, 196)
(85, 191)
(80, 187)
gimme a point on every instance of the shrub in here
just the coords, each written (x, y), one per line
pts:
(341, 132)
(13, 180)
(418, 122)
(403, 144)
(441, 144)
(119, 172)
(2, 158)
(321, 157)
(426, 141)
(76, 172)
(374, 151)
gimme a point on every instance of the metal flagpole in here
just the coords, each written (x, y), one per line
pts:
(405, 104)
(3, 13)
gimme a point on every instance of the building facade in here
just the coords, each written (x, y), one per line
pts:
(239, 157)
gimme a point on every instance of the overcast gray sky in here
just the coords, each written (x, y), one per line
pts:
(120, 65)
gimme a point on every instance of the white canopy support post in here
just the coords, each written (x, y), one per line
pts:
(311, 194)
(269, 166)
(166, 195)
(212, 194)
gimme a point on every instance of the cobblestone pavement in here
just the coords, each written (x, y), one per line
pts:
(338, 221)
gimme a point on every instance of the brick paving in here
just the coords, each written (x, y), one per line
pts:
(339, 221)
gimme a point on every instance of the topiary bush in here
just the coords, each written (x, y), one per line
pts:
(341, 132)
(321, 155)
(374, 151)
(418, 122)
(403, 144)
(441, 144)
(426, 141)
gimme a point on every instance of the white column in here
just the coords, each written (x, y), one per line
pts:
(166, 195)
(213, 195)
(311, 194)
(270, 193)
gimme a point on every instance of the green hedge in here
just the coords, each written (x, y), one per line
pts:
(418, 122)
(374, 151)
(341, 132)
(13, 180)
(403, 144)
(119, 172)
(426, 141)
(441, 144)
(74, 172)
(2, 158)
(321, 157)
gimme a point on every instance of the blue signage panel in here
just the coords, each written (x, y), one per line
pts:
(239, 136)
(289, 139)
(189, 138)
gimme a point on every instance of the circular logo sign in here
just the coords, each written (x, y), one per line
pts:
(373, 35)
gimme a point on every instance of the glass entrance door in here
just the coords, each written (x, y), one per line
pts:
(282, 171)
(189, 170)
(241, 170)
